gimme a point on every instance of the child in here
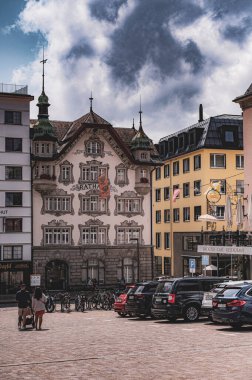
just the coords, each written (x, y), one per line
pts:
(38, 305)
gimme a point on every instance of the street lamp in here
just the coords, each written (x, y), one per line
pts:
(138, 258)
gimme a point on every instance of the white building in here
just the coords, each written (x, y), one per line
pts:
(15, 187)
(92, 200)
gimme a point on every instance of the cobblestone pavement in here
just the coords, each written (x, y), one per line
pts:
(101, 345)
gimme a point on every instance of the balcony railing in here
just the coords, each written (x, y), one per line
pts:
(14, 89)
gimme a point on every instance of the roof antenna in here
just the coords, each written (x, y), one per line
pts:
(43, 75)
(91, 102)
(200, 113)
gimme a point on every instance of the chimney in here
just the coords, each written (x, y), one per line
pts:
(200, 113)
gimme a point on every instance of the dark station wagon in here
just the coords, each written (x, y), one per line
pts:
(139, 301)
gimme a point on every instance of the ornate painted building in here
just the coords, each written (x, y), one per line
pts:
(91, 200)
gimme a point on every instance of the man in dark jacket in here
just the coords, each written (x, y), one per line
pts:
(24, 303)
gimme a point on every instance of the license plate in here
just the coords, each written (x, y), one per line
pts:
(158, 299)
(208, 297)
(222, 305)
(131, 297)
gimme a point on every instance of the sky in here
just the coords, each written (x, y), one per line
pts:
(171, 54)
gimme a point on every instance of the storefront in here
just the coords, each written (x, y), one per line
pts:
(12, 274)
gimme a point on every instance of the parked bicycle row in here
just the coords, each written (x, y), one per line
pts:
(98, 299)
(220, 299)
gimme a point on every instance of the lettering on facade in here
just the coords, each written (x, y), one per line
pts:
(14, 266)
(225, 250)
(82, 151)
(3, 212)
(90, 186)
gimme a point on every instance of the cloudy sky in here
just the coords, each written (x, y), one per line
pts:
(175, 54)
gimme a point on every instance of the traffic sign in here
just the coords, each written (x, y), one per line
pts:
(192, 265)
(205, 259)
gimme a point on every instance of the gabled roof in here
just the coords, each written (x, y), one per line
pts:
(68, 132)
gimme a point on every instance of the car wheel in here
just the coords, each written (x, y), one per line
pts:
(191, 313)
(122, 314)
(236, 325)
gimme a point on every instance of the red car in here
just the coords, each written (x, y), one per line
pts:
(120, 301)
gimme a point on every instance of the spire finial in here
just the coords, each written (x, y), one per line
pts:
(140, 113)
(43, 75)
(91, 102)
(133, 125)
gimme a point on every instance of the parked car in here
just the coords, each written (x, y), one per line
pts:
(120, 301)
(181, 297)
(233, 305)
(206, 307)
(139, 301)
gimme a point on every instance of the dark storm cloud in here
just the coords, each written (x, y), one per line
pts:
(145, 37)
(224, 9)
(238, 33)
(82, 49)
(106, 9)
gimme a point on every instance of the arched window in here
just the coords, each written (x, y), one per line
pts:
(93, 269)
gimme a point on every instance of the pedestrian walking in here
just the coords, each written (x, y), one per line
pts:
(38, 305)
(24, 304)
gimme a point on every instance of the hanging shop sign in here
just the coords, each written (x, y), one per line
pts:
(15, 266)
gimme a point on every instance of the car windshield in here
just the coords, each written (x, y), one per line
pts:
(139, 289)
(164, 287)
(229, 292)
(131, 290)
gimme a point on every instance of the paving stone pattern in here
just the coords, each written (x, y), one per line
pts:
(102, 346)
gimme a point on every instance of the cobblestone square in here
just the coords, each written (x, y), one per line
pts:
(101, 345)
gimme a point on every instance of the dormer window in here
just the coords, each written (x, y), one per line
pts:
(181, 142)
(191, 138)
(229, 136)
(43, 149)
(94, 147)
(143, 156)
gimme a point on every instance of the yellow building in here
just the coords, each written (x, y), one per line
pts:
(203, 164)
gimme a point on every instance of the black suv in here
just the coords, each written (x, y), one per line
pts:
(140, 299)
(181, 297)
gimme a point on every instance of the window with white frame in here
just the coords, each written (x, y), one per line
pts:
(239, 186)
(94, 147)
(66, 172)
(93, 235)
(221, 183)
(166, 240)
(57, 236)
(166, 193)
(167, 215)
(158, 240)
(197, 187)
(166, 170)
(186, 165)
(219, 212)
(186, 214)
(90, 173)
(128, 205)
(158, 195)
(197, 162)
(121, 175)
(186, 189)
(93, 203)
(158, 216)
(124, 235)
(239, 160)
(55, 203)
(176, 168)
(176, 215)
(217, 160)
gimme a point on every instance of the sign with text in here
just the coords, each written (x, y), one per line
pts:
(192, 265)
(226, 250)
(35, 280)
